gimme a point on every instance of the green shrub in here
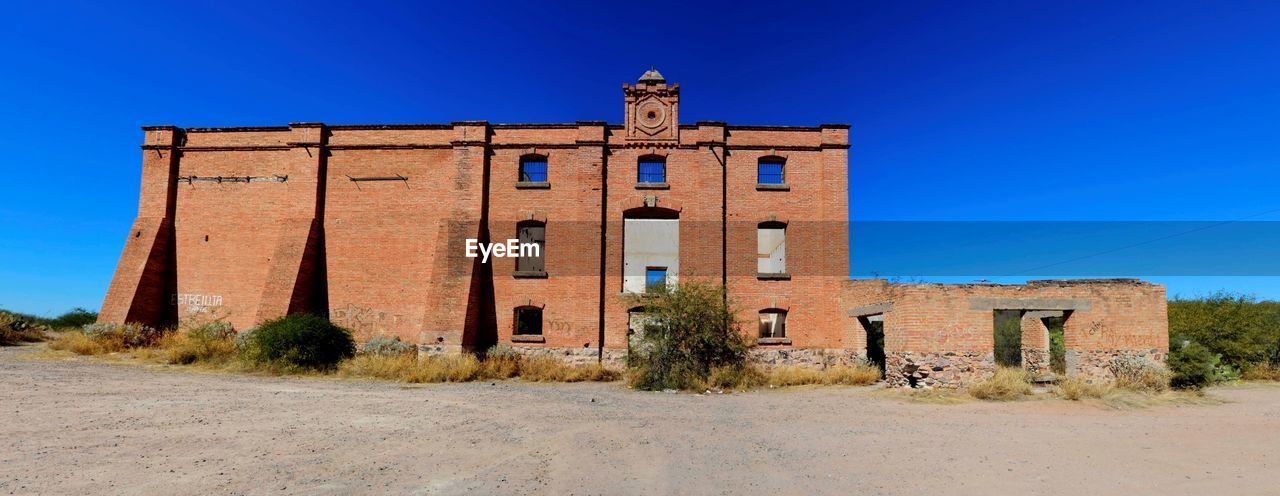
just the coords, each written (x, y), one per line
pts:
(686, 331)
(1008, 338)
(75, 319)
(299, 340)
(1193, 366)
(1245, 332)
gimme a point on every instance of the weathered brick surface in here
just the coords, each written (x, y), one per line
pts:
(367, 224)
(944, 333)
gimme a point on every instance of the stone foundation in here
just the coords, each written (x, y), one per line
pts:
(939, 369)
(902, 369)
(1096, 365)
(956, 369)
(819, 358)
(575, 355)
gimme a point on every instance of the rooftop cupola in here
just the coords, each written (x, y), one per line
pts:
(653, 109)
(652, 76)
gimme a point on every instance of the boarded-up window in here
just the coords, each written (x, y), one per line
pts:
(771, 248)
(649, 243)
(773, 323)
(636, 322)
(532, 233)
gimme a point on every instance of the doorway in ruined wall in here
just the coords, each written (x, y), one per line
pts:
(1031, 339)
(1008, 338)
(873, 326)
(1056, 325)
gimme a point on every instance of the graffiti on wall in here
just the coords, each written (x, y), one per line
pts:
(195, 302)
(562, 327)
(366, 320)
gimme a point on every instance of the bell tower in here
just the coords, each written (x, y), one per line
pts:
(653, 108)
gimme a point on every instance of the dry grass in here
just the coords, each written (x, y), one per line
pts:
(1150, 380)
(735, 377)
(10, 337)
(184, 348)
(1262, 372)
(1076, 388)
(463, 368)
(842, 375)
(80, 344)
(193, 347)
(1136, 394)
(1008, 383)
(552, 370)
(17, 329)
(753, 376)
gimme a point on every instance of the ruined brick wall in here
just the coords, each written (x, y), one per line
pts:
(941, 334)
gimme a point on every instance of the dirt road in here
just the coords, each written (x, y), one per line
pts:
(79, 426)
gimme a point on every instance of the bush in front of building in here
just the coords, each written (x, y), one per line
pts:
(298, 341)
(1139, 374)
(687, 331)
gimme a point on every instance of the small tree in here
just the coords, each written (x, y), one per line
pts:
(686, 331)
(1242, 330)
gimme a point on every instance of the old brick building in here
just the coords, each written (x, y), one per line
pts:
(369, 224)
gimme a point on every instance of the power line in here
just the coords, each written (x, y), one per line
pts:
(1147, 242)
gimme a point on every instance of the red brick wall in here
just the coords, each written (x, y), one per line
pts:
(950, 326)
(385, 257)
(570, 208)
(383, 238)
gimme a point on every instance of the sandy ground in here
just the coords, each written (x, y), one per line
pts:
(78, 426)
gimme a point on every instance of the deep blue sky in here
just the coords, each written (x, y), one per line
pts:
(960, 110)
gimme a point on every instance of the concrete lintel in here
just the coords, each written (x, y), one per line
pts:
(1043, 314)
(866, 310)
(986, 303)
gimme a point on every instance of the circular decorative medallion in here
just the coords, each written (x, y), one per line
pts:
(651, 114)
